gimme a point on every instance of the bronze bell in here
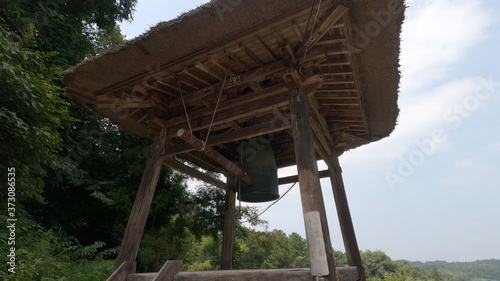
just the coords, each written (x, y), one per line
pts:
(257, 159)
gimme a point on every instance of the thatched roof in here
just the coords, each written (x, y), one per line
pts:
(350, 72)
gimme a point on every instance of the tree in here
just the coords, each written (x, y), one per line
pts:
(435, 274)
(66, 27)
(31, 111)
(377, 263)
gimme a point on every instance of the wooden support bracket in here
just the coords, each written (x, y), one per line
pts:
(174, 164)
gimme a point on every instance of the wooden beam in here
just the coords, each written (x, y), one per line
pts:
(328, 23)
(123, 271)
(205, 69)
(125, 103)
(226, 105)
(251, 55)
(140, 210)
(176, 165)
(344, 215)
(216, 156)
(296, 274)
(310, 188)
(186, 71)
(266, 48)
(294, 179)
(228, 229)
(273, 126)
(204, 162)
(323, 129)
(168, 271)
(235, 58)
(242, 111)
(350, 47)
(153, 87)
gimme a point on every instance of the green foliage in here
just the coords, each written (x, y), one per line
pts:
(66, 27)
(463, 271)
(31, 110)
(50, 255)
(270, 249)
(377, 263)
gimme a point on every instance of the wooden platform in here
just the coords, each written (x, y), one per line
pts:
(299, 274)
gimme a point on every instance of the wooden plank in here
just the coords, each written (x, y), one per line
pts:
(344, 215)
(205, 69)
(310, 188)
(186, 71)
(235, 58)
(251, 55)
(332, 41)
(123, 271)
(139, 214)
(296, 274)
(153, 87)
(216, 156)
(176, 165)
(294, 179)
(168, 271)
(126, 103)
(266, 48)
(316, 244)
(228, 228)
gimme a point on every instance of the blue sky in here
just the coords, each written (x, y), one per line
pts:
(430, 191)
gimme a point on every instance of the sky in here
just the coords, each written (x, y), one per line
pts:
(430, 191)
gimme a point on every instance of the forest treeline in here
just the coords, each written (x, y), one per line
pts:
(476, 270)
(76, 174)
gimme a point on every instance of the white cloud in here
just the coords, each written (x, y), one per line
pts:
(493, 148)
(437, 34)
(419, 118)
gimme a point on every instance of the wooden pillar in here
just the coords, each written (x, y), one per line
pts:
(310, 189)
(228, 231)
(345, 220)
(137, 220)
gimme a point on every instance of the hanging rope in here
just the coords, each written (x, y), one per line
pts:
(239, 180)
(216, 106)
(184, 105)
(305, 34)
(268, 207)
(311, 35)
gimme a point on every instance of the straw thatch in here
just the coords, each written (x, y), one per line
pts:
(135, 84)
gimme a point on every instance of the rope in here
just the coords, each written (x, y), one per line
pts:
(185, 109)
(305, 33)
(277, 200)
(216, 106)
(312, 29)
(239, 180)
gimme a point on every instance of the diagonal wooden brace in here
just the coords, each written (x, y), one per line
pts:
(216, 156)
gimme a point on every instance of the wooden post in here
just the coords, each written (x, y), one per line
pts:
(310, 189)
(228, 231)
(345, 220)
(137, 220)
